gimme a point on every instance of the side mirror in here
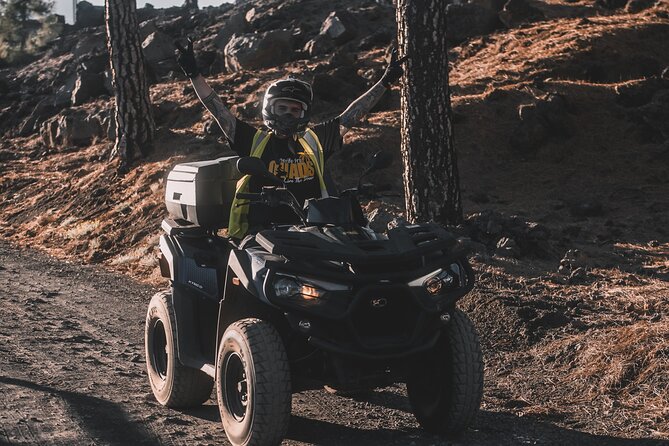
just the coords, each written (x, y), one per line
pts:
(250, 165)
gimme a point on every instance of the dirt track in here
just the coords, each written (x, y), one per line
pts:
(72, 373)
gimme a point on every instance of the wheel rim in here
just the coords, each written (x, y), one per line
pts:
(159, 349)
(235, 386)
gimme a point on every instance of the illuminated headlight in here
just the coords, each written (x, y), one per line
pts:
(290, 286)
(438, 281)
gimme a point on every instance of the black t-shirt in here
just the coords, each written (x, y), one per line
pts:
(287, 160)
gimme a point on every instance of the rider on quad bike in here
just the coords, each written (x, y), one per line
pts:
(290, 149)
(320, 301)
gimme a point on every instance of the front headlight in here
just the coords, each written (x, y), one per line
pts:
(286, 287)
(290, 286)
(436, 284)
(438, 281)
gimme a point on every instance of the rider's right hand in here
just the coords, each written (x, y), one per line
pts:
(186, 58)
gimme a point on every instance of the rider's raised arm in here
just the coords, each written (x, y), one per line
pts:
(361, 106)
(186, 59)
(212, 102)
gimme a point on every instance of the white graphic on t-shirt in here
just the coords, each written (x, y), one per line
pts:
(293, 170)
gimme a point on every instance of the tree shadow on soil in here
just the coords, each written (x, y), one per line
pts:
(107, 422)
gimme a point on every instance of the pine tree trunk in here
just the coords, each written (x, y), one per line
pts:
(431, 181)
(134, 119)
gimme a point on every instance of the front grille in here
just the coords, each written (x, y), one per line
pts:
(385, 316)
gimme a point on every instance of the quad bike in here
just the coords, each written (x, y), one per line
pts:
(327, 302)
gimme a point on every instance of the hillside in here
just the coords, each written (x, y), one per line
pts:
(561, 112)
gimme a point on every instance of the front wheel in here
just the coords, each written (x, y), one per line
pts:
(445, 385)
(173, 384)
(253, 383)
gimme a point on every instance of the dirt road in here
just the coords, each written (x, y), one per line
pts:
(72, 373)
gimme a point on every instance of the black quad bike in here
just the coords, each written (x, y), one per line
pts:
(327, 302)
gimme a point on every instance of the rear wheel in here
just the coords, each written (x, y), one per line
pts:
(173, 384)
(253, 383)
(445, 385)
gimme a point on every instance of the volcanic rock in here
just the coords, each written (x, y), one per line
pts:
(339, 26)
(88, 86)
(89, 15)
(235, 24)
(253, 51)
(71, 128)
(158, 46)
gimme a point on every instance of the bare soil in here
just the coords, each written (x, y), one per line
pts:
(73, 373)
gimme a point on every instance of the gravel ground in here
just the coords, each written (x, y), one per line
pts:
(72, 373)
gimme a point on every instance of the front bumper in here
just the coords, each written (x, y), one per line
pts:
(379, 320)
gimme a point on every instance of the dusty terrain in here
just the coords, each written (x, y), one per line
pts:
(563, 123)
(72, 373)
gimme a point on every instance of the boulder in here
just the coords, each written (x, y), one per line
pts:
(507, 247)
(158, 46)
(319, 45)
(31, 124)
(90, 44)
(339, 26)
(71, 128)
(518, 12)
(63, 96)
(235, 24)
(489, 228)
(572, 260)
(89, 15)
(88, 86)
(147, 28)
(465, 20)
(253, 51)
(94, 63)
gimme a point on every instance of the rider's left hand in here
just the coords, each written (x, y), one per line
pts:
(394, 70)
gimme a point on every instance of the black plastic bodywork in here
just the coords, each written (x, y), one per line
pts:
(376, 322)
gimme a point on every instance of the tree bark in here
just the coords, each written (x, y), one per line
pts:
(134, 118)
(431, 181)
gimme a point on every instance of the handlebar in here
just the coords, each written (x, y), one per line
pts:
(273, 197)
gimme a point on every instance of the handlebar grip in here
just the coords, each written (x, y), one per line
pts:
(243, 196)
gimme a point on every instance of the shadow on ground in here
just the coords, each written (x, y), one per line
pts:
(102, 419)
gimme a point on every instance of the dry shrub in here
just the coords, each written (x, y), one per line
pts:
(625, 368)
